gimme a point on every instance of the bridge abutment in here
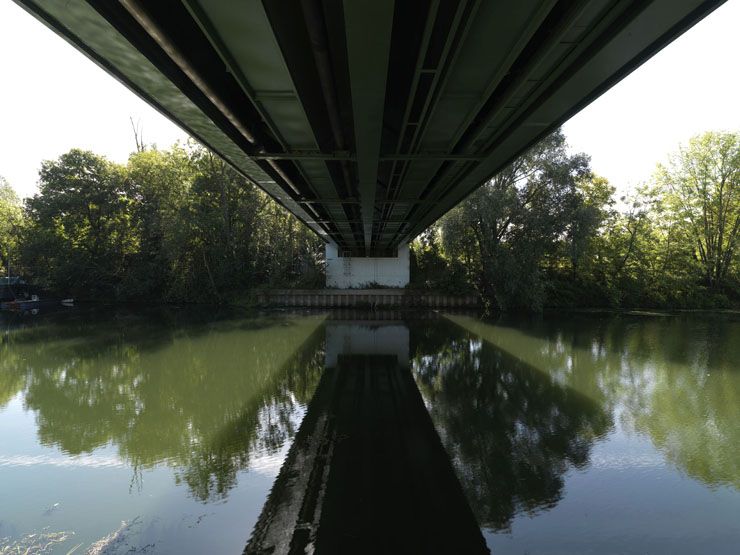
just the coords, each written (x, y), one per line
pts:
(345, 272)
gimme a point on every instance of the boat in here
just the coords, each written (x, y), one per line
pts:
(21, 304)
(34, 303)
(15, 295)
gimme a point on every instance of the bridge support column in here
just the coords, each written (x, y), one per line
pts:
(345, 272)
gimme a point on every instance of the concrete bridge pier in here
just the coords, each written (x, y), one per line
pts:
(358, 272)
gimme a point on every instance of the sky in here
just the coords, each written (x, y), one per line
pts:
(52, 99)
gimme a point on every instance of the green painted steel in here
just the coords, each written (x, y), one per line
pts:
(368, 26)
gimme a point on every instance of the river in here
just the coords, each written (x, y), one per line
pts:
(163, 431)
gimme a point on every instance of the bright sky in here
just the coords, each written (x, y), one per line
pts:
(691, 86)
(53, 98)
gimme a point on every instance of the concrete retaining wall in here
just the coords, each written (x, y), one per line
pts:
(363, 298)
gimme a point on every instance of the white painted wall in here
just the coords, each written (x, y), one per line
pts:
(357, 272)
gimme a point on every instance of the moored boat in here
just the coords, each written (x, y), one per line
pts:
(33, 303)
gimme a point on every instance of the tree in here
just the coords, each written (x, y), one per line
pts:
(11, 218)
(512, 222)
(592, 206)
(702, 187)
(174, 225)
(80, 235)
(160, 182)
(621, 250)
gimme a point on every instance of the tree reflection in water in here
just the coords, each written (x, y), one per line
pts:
(201, 395)
(673, 378)
(512, 432)
(519, 402)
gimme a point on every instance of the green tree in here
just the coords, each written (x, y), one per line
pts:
(11, 220)
(174, 225)
(593, 204)
(432, 269)
(702, 186)
(621, 250)
(160, 182)
(512, 222)
(224, 212)
(80, 235)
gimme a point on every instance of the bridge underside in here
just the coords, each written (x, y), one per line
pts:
(369, 119)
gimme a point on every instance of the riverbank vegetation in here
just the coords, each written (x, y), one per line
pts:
(170, 225)
(181, 225)
(548, 232)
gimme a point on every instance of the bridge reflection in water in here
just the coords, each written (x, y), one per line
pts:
(367, 472)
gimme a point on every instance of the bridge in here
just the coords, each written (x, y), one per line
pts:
(369, 119)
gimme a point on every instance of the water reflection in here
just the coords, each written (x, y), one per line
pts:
(674, 379)
(522, 403)
(367, 472)
(512, 432)
(587, 429)
(198, 394)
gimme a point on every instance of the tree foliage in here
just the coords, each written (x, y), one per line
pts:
(515, 220)
(547, 231)
(11, 221)
(80, 231)
(702, 188)
(178, 224)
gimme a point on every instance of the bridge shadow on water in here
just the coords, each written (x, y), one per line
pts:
(367, 472)
(419, 435)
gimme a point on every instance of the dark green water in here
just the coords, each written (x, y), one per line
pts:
(162, 432)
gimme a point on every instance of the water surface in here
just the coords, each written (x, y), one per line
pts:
(163, 431)
(592, 434)
(158, 432)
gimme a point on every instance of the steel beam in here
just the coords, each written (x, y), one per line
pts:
(338, 156)
(369, 24)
